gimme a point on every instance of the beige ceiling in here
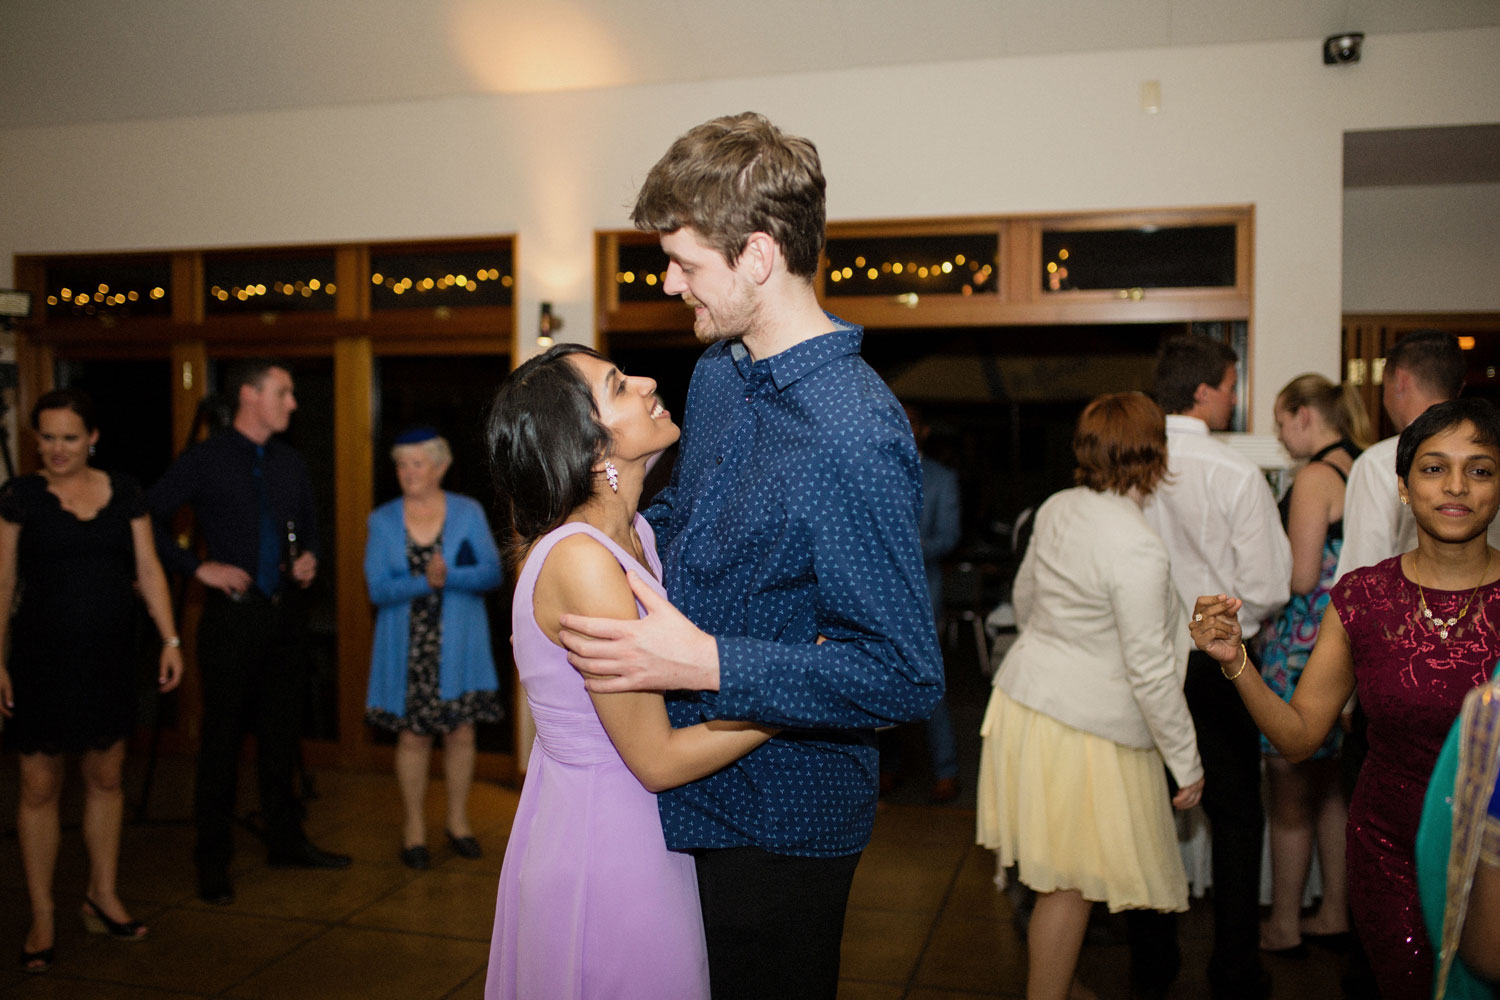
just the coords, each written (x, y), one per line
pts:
(104, 60)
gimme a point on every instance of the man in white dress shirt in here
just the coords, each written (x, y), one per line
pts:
(1217, 517)
(1425, 367)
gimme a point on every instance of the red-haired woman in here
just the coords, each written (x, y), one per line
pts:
(1088, 703)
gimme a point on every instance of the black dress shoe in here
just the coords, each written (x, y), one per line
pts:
(37, 961)
(307, 855)
(416, 857)
(465, 847)
(215, 890)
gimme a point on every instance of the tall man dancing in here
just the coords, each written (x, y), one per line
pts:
(789, 541)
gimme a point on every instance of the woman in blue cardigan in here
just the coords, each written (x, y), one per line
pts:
(429, 560)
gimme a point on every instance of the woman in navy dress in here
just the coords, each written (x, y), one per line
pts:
(74, 540)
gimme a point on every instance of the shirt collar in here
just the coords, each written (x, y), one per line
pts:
(1184, 424)
(796, 361)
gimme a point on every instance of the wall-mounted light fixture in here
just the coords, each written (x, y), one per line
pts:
(547, 325)
(14, 305)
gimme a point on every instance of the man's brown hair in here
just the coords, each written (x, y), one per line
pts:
(734, 176)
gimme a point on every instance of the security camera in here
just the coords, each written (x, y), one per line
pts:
(1339, 49)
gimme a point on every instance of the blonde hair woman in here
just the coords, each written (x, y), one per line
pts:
(1324, 426)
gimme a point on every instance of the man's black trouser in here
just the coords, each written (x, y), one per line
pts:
(251, 668)
(1229, 745)
(774, 922)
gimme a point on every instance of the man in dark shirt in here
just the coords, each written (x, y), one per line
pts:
(791, 520)
(249, 492)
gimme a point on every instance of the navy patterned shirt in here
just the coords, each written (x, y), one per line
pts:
(793, 513)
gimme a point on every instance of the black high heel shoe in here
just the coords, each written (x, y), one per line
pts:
(96, 922)
(464, 847)
(37, 961)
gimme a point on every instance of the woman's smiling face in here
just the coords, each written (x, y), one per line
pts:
(628, 408)
(1452, 486)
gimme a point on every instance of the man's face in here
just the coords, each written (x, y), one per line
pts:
(1219, 401)
(270, 404)
(722, 298)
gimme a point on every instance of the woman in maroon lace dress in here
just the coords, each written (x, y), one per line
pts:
(1413, 634)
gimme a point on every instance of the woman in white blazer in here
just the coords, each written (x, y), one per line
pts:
(1088, 703)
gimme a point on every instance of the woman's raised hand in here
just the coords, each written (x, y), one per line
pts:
(1215, 627)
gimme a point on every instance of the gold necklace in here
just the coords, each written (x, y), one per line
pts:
(1442, 625)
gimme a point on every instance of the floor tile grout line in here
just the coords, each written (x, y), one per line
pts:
(270, 962)
(936, 919)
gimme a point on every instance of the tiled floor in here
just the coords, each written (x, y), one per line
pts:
(925, 921)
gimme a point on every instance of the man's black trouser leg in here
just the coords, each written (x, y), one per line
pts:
(774, 922)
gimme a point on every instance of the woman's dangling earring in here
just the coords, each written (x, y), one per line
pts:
(91, 451)
(613, 475)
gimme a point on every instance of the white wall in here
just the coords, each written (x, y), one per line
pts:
(1253, 123)
(1422, 249)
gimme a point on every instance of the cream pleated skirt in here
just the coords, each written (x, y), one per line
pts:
(1077, 811)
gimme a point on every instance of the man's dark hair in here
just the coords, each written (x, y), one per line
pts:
(1433, 358)
(65, 399)
(1185, 362)
(544, 436)
(734, 176)
(1442, 417)
(251, 372)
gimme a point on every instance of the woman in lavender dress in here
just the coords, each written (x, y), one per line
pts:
(591, 902)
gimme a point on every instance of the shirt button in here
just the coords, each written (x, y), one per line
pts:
(719, 460)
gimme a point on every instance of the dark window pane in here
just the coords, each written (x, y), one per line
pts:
(643, 268)
(966, 264)
(1148, 257)
(428, 279)
(109, 286)
(243, 283)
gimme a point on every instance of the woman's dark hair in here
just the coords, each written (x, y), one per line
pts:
(1441, 417)
(65, 399)
(544, 436)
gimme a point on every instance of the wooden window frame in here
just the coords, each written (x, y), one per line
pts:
(352, 335)
(1019, 300)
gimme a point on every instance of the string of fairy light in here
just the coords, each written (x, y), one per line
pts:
(105, 296)
(102, 295)
(862, 268)
(400, 286)
(1057, 271)
(287, 289)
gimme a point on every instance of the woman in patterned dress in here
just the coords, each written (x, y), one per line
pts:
(1413, 635)
(1324, 426)
(1458, 853)
(429, 560)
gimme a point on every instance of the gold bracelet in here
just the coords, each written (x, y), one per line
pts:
(1244, 659)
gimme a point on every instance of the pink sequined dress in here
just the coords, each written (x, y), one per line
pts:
(1411, 682)
(592, 905)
